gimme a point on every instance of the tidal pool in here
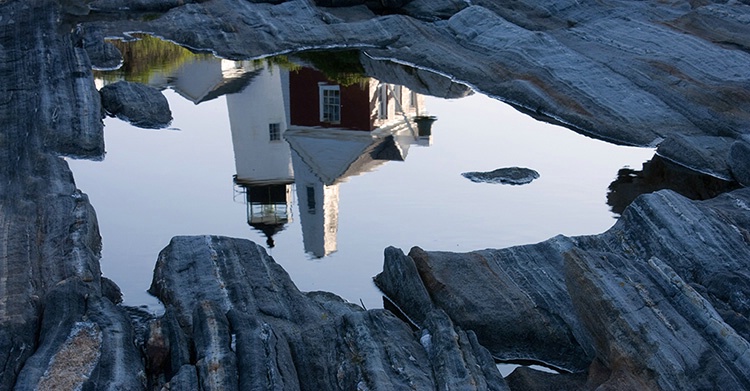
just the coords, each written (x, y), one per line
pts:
(326, 200)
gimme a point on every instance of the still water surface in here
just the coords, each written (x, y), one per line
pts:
(154, 185)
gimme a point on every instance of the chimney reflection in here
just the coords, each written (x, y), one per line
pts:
(332, 131)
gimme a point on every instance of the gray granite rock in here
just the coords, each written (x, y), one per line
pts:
(647, 321)
(418, 80)
(57, 328)
(637, 73)
(216, 362)
(517, 306)
(432, 10)
(709, 153)
(242, 313)
(620, 71)
(506, 176)
(86, 342)
(141, 105)
(102, 54)
(119, 6)
(739, 160)
(660, 298)
(528, 379)
(185, 379)
(725, 24)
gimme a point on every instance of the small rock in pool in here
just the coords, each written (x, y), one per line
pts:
(506, 176)
(141, 105)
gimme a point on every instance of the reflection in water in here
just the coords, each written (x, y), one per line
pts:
(658, 174)
(258, 117)
(196, 77)
(423, 201)
(291, 124)
(302, 127)
(149, 60)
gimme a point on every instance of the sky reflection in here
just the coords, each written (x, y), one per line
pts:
(153, 185)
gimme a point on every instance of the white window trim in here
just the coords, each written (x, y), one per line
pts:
(383, 101)
(328, 87)
(277, 132)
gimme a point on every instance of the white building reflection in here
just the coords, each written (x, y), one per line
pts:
(258, 117)
(300, 129)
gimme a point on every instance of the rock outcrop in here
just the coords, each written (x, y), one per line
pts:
(635, 73)
(141, 105)
(57, 327)
(660, 300)
(252, 329)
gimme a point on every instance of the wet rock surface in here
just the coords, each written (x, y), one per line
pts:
(141, 105)
(506, 176)
(660, 298)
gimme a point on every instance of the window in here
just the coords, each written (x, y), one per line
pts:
(397, 98)
(382, 101)
(330, 104)
(413, 100)
(310, 200)
(274, 132)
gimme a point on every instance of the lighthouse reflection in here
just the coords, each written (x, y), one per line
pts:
(298, 133)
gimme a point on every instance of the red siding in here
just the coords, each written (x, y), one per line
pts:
(304, 102)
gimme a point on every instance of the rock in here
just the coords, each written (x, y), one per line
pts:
(215, 360)
(707, 152)
(75, 7)
(739, 160)
(378, 5)
(591, 68)
(111, 291)
(517, 306)
(661, 299)
(135, 5)
(648, 297)
(348, 14)
(86, 342)
(141, 105)
(659, 173)
(648, 322)
(251, 328)
(525, 378)
(724, 24)
(185, 379)
(506, 176)
(434, 9)
(401, 281)
(56, 326)
(103, 55)
(418, 80)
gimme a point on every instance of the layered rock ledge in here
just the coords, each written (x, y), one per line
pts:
(659, 301)
(672, 75)
(250, 328)
(59, 326)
